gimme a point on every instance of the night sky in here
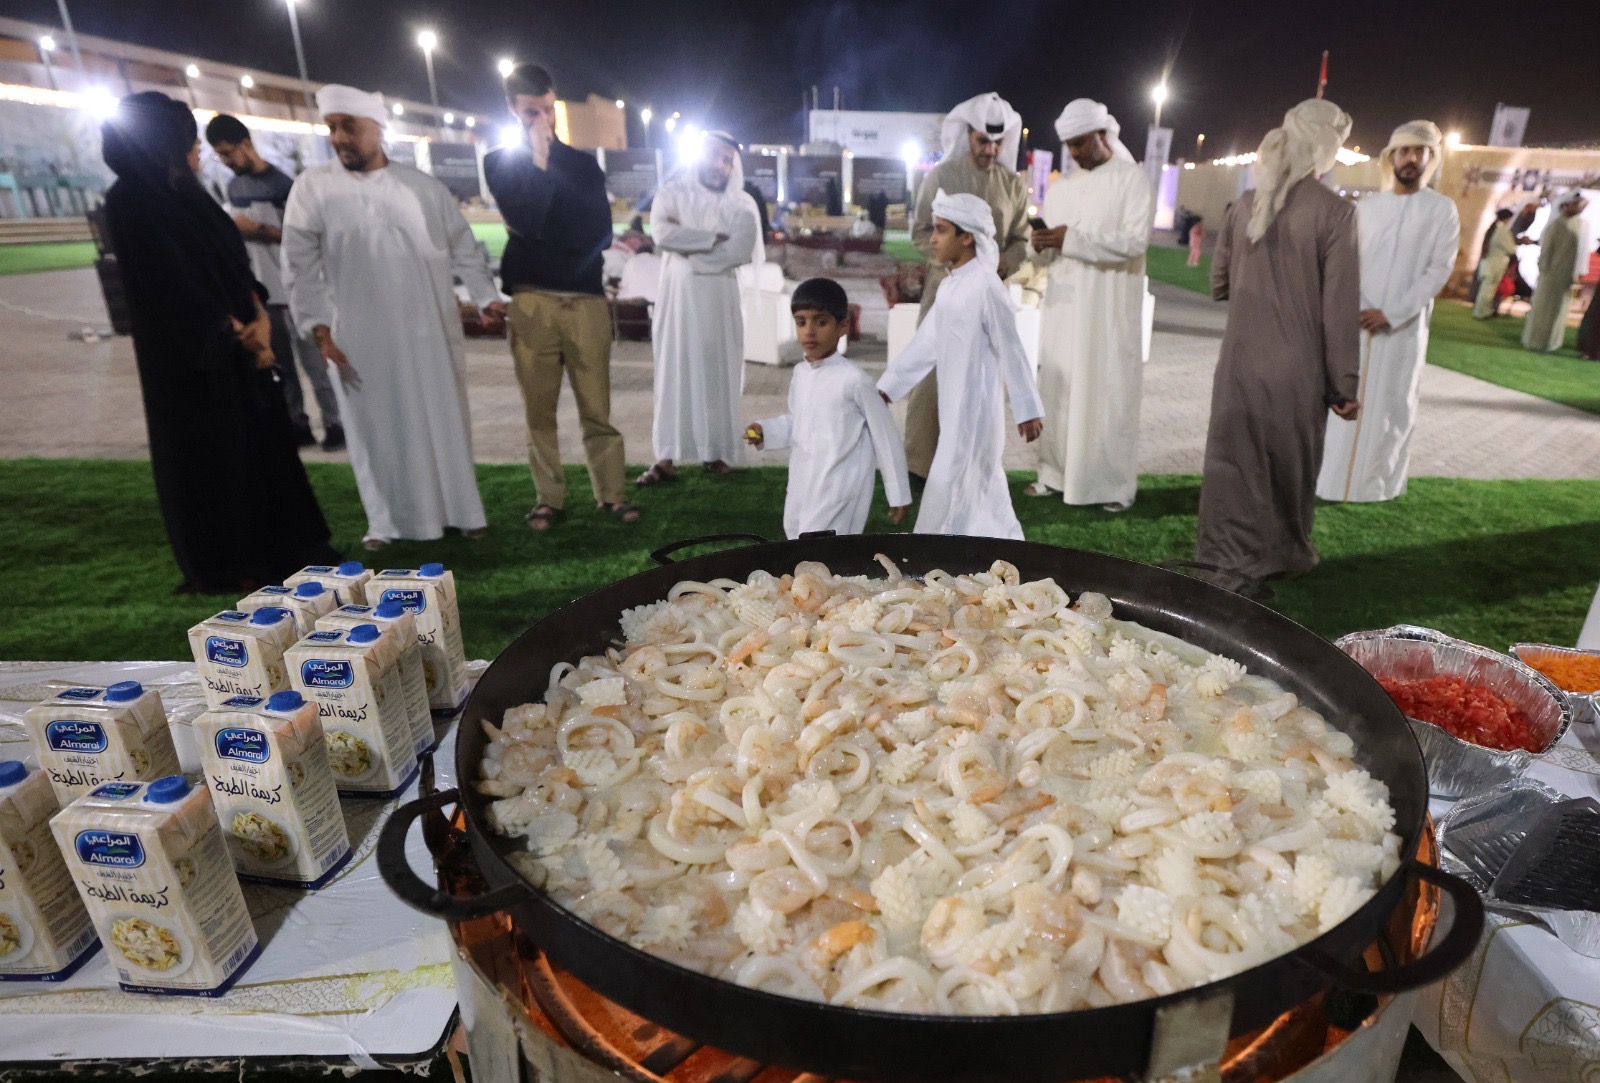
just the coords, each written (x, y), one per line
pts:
(1234, 67)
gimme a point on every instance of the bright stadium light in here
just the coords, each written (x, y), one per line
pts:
(645, 114)
(192, 71)
(449, 118)
(1453, 139)
(427, 41)
(472, 122)
(510, 134)
(246, 81)
(47, 43)
(621, 104)
(100, 102)
(672, 122)
(911, 151)
(397, 109)
(506, 67)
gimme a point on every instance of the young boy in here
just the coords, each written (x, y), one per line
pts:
(970, 335)
(837, 426)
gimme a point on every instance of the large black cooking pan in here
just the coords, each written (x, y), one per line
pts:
(1114, 1041)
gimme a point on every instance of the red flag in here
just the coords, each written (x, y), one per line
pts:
(1322, 77)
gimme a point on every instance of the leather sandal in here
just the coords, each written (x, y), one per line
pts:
(655, 476)
(544, 517)
(623, 510)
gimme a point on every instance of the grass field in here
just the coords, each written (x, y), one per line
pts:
(1491, 350)
(22, 259)
(1491, 561)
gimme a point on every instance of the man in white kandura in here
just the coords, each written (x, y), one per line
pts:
(1561, 248)
(979, 139)
(1091, 356)
(369, 250)
(707, 227)
(1409, 234)
(970, 338)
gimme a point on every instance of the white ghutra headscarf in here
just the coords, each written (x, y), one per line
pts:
(976, 217)
(1307, 145)
(1413, 133)
(335, 98)
(1085, 115)
(988, 113)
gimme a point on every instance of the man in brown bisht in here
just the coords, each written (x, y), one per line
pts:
(1286, 262)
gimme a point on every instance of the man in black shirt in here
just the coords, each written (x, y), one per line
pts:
(553, 200)
(256, 196)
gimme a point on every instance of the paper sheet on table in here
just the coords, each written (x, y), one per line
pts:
(346, 971)
(1524, 1008)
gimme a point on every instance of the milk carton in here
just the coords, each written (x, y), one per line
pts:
(153, 869)
(307, 602)
(393, 618)
(45, 932)
(430, 594)
(348, 581)
(353, 676)
(241, 654)
(86, 736)
(266, 764)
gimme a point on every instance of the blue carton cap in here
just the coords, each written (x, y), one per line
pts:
(351, 567)
(287, 700)
(269, 614)
(431, 570)
(12, 772)
(123, 691)
(364, 633)
(389, 610)
(167, 790)
(309, 590)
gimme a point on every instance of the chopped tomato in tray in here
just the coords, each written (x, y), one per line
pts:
(1465, 710)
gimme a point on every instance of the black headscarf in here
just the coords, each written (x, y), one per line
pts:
(146, 143)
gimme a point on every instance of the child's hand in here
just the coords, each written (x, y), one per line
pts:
(898, 515)
(754, 436)
(1030, 430)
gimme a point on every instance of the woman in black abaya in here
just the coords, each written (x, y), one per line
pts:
(238, 509)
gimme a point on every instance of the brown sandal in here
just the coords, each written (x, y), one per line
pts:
(544, 517)
(623, 510)
(718, 468)
(655, 476)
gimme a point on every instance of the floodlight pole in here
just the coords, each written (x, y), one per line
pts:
(72, 43)
(300, 57)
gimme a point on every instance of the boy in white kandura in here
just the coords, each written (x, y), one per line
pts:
(970, 336)
(837, 425)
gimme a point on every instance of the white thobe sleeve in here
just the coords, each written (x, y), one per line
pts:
(466, 260)
(1444, 233)
(734, 252)
(913, 363)
(1000, 325)
(305, 279)
(776, 432)
(674, 236)
(886, 444)
(1127, 237)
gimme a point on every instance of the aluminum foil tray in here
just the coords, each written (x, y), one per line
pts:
(1557, 864)
(1585, 705)
(1458, 768)
(1485, 835)
(1481, 832)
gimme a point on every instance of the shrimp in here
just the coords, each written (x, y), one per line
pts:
(834, 942)
(954, 920)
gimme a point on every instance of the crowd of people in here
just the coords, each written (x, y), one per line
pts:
(349, 272)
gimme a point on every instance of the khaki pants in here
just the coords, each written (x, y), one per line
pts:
(550, 333)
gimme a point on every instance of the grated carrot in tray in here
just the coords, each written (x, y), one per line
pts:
(1570, 672)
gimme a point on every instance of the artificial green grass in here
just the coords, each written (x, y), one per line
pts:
(23, 259)
(493, 235)
(897, 243)
(1490, 350)
(1492, 561)
(1171, 265)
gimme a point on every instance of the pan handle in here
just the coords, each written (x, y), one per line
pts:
(1466, 927)
(412, 889)
(664, 554)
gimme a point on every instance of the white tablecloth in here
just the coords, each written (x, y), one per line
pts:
(1524, 1008)
(346, 972)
